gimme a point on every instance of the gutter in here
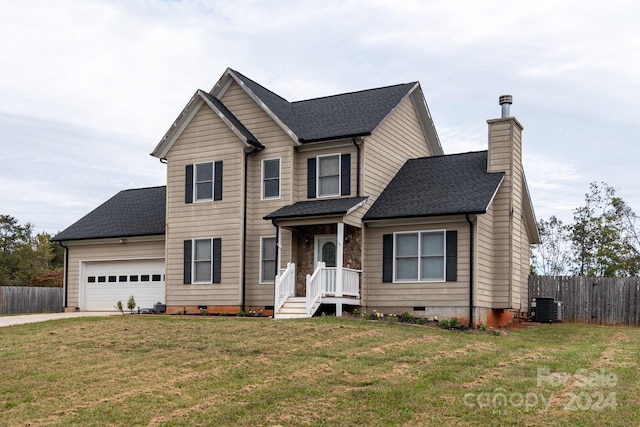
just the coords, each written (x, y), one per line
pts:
(357, 166)
(471, 267)
(244, 229)
(334, 137)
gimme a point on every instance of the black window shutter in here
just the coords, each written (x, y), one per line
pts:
(387, 258)
(345, 174)
(217, 181)
(188, 184)
(452, 256)
(187, 262)
(311, 178)
(217, 260)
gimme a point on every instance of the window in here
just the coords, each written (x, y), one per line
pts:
(202, 260)
(203, 182)
(268, 251)
(419, 256)
(271, 179)
(329, 175)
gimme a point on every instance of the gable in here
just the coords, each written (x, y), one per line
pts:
(192, 108)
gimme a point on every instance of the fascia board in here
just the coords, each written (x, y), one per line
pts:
(178, 126)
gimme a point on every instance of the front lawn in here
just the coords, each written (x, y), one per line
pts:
(219, 371)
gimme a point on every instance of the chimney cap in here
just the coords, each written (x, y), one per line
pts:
(506, 99)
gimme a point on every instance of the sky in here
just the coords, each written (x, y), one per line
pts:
(88, 88)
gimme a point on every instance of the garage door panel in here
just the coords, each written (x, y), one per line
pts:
(107, 282)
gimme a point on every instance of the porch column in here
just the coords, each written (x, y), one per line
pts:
(339, 258)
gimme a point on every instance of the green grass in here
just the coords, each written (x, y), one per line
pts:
(177, 370)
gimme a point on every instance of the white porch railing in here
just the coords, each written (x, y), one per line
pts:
(315, 283)
(285, 286)
(351, 282)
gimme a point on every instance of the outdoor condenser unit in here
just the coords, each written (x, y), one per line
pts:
(544, 309)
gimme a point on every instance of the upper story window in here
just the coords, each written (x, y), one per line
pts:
(203, 182)
(329, 175)
(271, 179)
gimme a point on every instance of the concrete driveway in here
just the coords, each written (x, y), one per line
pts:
(42, 317)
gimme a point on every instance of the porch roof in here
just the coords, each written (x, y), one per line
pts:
(440, 185)
(324, 207)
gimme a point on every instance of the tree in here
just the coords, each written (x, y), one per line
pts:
(552, 256)
(24, 257)
(603, 235)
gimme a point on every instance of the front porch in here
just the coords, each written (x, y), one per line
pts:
(324, 256)
(327, 285)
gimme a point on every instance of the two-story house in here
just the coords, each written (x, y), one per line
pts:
(335, 202)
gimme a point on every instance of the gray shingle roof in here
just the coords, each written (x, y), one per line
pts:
(345, 115)
(317, 208)
(441, 185)
(136, 212)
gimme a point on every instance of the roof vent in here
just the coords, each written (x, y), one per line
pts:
(506, 101)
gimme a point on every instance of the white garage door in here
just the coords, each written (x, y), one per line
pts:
(107, 282)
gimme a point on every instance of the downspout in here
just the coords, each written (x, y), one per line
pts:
(66, 274)
(471, 267)
(244, 229)
(357, 166)
(273, 221)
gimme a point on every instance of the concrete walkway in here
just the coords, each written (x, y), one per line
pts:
(42, 317)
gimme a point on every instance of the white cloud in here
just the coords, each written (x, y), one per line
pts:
(100, 82)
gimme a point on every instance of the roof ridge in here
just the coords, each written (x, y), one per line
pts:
(243, 77)
(450, 155)
(144, 188)
(353, 92)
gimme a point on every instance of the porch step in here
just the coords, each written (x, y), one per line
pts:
(293, 308)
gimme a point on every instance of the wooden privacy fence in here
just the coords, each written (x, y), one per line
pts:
(603, 300)
(27, 299)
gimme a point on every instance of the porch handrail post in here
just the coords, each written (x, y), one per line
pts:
(339, 258)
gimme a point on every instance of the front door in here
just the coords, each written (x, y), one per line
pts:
(325, 250)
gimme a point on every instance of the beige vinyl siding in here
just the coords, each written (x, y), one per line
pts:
(260, 294)
(525, 270)
(429, 294)
(277, 145)
(107, 250)
(501, 247)
(323, 149)
(396, 140)
(206, 138)
(484, 259)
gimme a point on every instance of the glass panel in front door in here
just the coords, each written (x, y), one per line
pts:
(328, 253)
